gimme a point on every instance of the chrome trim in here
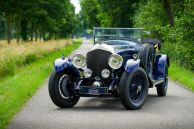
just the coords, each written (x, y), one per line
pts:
(104, 47)
(84, 60)
(119, 57)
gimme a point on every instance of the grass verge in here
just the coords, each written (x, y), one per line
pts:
(182, 75)
(15, 90)
(16, 55)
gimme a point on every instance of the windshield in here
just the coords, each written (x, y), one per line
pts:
(130, 34)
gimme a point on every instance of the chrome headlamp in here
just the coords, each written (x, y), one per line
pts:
(115, 61)
(79, 60)
(105, 73)
(87, 73)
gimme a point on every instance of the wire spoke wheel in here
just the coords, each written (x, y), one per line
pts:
(136, 88)
(133, 89)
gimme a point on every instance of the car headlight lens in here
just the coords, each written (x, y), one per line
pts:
(79, 60)
(105, 73)
(87, 73)
(115, 61)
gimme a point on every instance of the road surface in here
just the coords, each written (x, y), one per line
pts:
(175, 111)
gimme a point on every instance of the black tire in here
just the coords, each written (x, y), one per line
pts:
(162, 87)
(125, 87)
(56, 93)
(147, 58)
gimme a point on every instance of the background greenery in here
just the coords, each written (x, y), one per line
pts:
(171, 21)
(37, 19)
(15, 56)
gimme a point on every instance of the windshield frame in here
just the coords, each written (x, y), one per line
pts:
(98, 28)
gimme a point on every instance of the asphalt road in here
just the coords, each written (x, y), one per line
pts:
(175, 111)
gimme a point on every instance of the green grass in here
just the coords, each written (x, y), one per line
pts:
(16, 55)
(182, 75)
(15, 90)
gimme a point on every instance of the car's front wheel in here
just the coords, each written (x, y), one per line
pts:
(133, 89)
(61, 90)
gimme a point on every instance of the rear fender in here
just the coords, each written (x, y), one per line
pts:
(65, 64)
(160, 63)
(132, 65)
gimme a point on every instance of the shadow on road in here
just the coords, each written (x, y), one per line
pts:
(110, 104)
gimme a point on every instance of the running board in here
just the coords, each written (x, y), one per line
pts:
(155, 80)
(158, 81)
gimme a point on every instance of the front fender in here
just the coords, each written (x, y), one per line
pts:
(160, 64)
(132, 65)
(62, 64)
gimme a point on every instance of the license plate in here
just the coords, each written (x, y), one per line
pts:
(93, 90)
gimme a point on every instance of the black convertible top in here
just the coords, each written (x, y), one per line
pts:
(153, 41)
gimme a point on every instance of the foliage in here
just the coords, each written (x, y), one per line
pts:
(14, 56)
(90, 9)
(36, 18)
(182, 75)
(150, 15)
(180, 36)
(119, 12)
(109, 13)
(171, 21)
(178, 39)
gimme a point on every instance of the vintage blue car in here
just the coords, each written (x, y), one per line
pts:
(120, 64)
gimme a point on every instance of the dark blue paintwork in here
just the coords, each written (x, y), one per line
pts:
(61, 64)
(161, 61)
(126, 49)
(123, 47)
(132, 65)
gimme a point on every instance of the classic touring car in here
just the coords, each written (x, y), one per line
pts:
(120, 64)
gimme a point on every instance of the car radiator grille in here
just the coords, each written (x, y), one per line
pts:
(97, 60)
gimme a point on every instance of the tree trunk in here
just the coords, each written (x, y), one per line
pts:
(36, 32)
(40, 35)
(18, 30)
(24, 31)
(18, 37)
(169, 12)
(8, 28)
(32, 32)
(43, 36)
(36, 36)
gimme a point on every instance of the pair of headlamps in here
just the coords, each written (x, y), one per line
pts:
(115, 61)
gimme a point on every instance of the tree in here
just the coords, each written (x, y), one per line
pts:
(6, 7)
(168, 8)
(108, 13)
(120, 12)
(89, 12)
(38, 18)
